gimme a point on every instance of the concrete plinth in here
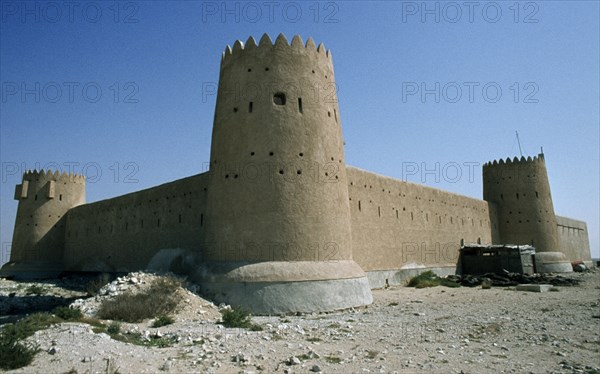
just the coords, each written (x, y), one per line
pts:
(552, 262)
(534, 287)
(285, 287)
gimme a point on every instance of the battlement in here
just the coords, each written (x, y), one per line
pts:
(45, 175)
(539, 158)
(280, 44)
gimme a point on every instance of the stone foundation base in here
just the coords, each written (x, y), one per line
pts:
(552, 262)
(400, 277)
(286, 287)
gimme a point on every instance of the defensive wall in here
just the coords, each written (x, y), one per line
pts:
(574, 240)
(125, 233)
(307, 233)
(400, 228)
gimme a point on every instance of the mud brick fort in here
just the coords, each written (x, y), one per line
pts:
(280, 223)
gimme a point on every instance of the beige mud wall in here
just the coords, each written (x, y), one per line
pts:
(400, 225)
(573, 239)
(126, 232)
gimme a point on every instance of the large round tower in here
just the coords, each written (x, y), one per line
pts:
(521, 191)
(38, 239)
(278, 219)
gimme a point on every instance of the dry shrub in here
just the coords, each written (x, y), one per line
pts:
(158, 299)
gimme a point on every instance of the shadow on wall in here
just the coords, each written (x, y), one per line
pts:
(176, 260)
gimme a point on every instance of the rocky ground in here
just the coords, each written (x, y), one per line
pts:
(405, 330)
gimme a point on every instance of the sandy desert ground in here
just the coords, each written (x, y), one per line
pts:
(405, 330)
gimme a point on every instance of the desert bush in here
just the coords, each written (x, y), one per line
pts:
(114, 328)
(66, 313)
(15, 354)
(35, 289)
(162, 321)
(28, 325)
(426, 279)
(96, 284)
(236, 317)
(430, 279)
(156, 300)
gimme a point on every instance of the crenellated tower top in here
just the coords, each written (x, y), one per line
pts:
(515, 160)
(281, 44)
(57, 176)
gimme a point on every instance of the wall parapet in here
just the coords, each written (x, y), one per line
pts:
(280, 44)
(515, 160)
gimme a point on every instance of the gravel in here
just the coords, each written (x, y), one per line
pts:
(405, 330)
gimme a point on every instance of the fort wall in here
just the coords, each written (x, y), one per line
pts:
(280, 224)
(398, 226)
(124, 233)
(573, 239)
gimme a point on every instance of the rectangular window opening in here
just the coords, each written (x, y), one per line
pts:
(300, 104)
(201, 219)
(250, 105)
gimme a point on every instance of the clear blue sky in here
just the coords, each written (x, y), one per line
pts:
(150, 59)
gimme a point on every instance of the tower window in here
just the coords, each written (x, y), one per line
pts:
(235, 110)
(60, 197)
(279, 98)
(335, 114)
(300, 104)
(250, 107)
